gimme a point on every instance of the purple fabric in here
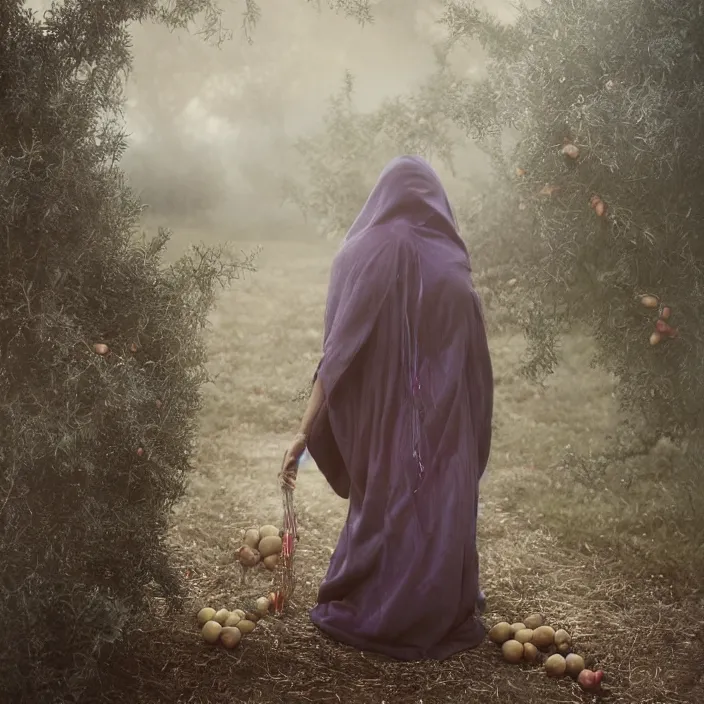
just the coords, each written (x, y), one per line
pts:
(408, 385)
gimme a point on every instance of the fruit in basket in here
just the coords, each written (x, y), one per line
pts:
(251, 538)
(268, 531)
(270, 545)
(271, 562)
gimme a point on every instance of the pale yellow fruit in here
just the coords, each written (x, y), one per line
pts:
(512, 651)
(500, 633)
(574, 664)
(534, 621)
(530, 652)
(204, 615)
(268, 531)
(221, 616)
(271, 562)
(211, 632)
(245, 626)
(232, 620)
(230, 637)
(563, 648)
(515, 627)
(562, 636)
(524, 635)
(649, 301)
(251, 538)
(555, 665)
(239, 612)
(543, 637)
(263, 605)
(270, 545)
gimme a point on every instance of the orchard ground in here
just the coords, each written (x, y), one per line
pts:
(548, 542)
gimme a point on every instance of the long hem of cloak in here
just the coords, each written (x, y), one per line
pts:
(468, 636)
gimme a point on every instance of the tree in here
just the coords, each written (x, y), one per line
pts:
(607, 97)
(101, 358)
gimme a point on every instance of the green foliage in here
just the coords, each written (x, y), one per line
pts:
(340, 164)
(94, 449)
(623, 80)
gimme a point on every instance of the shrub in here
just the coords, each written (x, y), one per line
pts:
(94, 448)
(624, 82)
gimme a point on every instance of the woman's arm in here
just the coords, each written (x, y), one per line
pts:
(315, 403)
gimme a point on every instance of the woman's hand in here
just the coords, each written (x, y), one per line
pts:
(289, 467)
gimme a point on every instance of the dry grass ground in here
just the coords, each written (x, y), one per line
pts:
(547, 543)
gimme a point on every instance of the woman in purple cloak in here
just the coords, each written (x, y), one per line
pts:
(399, 422)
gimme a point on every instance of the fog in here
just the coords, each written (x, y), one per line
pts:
(211, 129)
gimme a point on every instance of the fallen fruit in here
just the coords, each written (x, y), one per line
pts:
(543, 636)
(555, 665)
(649, 301)
(263, 605)
(594, 200)
(140, 451)
(204, 615)
(524, 635)
(530, 652)
(133, 348)
(230, 637)
(246, 626)
(271, 562)
(211, 632)
(232, 620)
(574, 664)
(268, 530)
(666, 312)
(590, 681)
(534, 621)
(512, 651)
(500, 633)
(563, 648)
(221, 616)
(101, 349)
(515, 627)
(600, 208)
(270, 545)
(562, 636)
(251, 538)
(655, 338)
(239, 612)
(249, 557)
(571, 151)
(252, 616)
(662, 327)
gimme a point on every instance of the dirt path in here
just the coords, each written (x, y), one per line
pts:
(264, 346)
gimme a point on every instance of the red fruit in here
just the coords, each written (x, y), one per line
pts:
(590, 681)
(666, 312)
(665, 329)
(140, 451)
(600, 208)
